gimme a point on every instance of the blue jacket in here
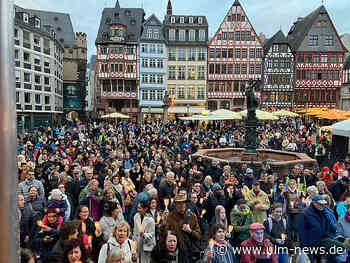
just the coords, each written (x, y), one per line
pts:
(315, 225)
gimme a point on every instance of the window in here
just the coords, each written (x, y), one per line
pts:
(190, 20)
(230, 69)
(152, 48)
(191, 72)
(181, 73)
(144, 94)
(182, 20)
(25, 18)
(152, 95)
(192, 35)
(201, 72)
(159, 95)
(160, 79)
(26, 36)
(252, 53)
(191, 93)
(224, 35)
(160, 49)
(182, 54)
(130, 50)
(248, 35)
(46, 80)
(171, 72)
(244, 53)
(17, 97)
(333, 59)
(236, 86)
(26, 77)
(230, 35)
(18, 75)
(243, 35)
(16, 54)
(16, 33)
(237, 69)
(27, 97)
(201, 93)
(155, 33)
(218, 52)
(37, 79)
(144, 78)
(130, 68)
(200, 20)
(238, 35)
(201, 35)
(181, 92)
(238, 53)
(191, 54)
(172, 19)
(145, 62)
(223, 69)
(172, 54)
(37, 23)
(316, 59)
(152, 63)
(230, 53)
(182, 35)
(37, 40)
(149, 33)
(259, 53)
(202, 53)
(242, 18)
(329, 40)
(217, 69)
(308, 58)
(160, 63)
(244, 69)
(211, 68)
(224, 53)
(172, 34)
(313, 40)
(152, 78)
(144, 48)
(324, 58)
(37, 99)
(336, 75)
(251, 69)
(212, 53)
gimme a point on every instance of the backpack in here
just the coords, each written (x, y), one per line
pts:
(269, 220)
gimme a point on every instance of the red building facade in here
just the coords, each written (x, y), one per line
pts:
(234, 56)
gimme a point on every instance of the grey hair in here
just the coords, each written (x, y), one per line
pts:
(312, 188)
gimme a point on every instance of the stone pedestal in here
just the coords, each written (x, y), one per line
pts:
(165, 114)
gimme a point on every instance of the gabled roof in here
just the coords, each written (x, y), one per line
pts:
(132, 18)
(278, 38)
(157, 24)
(153, 16)
(60, 22)
(303, 26)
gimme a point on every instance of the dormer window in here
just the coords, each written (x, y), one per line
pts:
(190, 20)
(25, 18)
(133, 22)
(200, 20)
(155, 34)
(172, 20)
(149, 33)
(37, 22)
(182, 20)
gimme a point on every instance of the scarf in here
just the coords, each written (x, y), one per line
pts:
(347, 217)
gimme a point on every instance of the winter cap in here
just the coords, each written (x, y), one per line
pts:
(217, 187)
(256, 226)
(319, 199)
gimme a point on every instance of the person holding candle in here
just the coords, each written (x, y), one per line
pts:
(168, 188)
(260, 248)
(276, 229)
(119, 239)
(144, 232)
(91, 196)
(219, 250)
(259, 202)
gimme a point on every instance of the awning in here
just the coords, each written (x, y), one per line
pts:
(152, 110)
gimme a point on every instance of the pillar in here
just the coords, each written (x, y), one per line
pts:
(9, 227)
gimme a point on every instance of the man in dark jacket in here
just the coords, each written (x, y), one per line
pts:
(27, 222)
(214, 171)
(339, 187)
(215, 198)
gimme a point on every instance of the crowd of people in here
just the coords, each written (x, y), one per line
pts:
(119, 192)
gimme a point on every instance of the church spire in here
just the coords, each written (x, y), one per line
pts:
(169, 9)
(117, 6)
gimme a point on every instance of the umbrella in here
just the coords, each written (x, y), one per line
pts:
(285, 113)
(226, 113)
(261, 115)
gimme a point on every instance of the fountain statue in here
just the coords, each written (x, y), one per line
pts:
(166, 104)
(251, 121)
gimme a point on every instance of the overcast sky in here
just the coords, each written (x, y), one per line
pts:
(266, 16)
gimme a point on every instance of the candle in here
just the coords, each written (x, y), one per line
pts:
(172, 200)
(292, 204)
(158, 219)
(97, 224)
(134, 244)
(204, 211)
(230, 228)
(283, 236)
(303, 200)
(211, 244)
(166, 202)
(40, 223)
(271, 191)
(89, 239)
(179, 184)
(298, 179)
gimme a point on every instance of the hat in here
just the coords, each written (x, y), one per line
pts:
(249, 171)
(180, 197)
(345, 179)
(325, 169)
(217, 187)
(319, 199)
(256, 182)
(256, 226)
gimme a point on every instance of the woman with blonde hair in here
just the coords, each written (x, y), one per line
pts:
(119, 239)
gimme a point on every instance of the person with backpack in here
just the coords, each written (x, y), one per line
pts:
(276, 229)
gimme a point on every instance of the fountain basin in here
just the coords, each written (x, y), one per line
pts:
(280, 161)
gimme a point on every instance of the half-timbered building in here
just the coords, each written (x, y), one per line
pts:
(278, 73)
(234, 56)
(319, 56)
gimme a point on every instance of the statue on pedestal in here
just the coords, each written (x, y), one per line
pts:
(166, 104)
(251, 121)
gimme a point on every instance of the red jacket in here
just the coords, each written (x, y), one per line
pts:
(247, 257)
